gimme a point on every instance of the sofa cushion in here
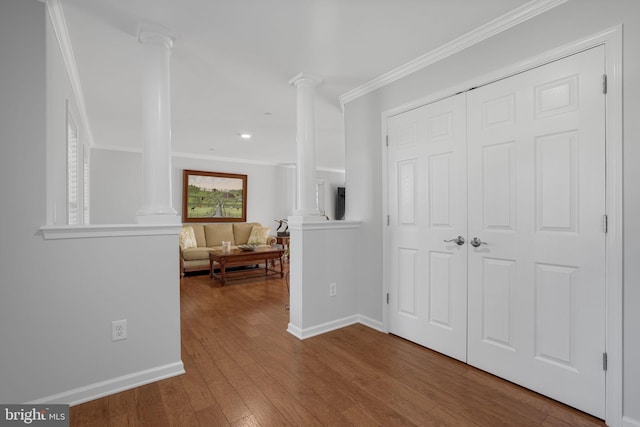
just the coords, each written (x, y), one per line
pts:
(196, 253)
(259, 235)
(242, 231)
(219, 232)
(198, 231)
(187, 238)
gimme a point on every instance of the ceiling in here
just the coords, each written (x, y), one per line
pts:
(232, 61)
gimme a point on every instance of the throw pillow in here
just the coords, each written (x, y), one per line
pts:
(187, 238)
(258, 235)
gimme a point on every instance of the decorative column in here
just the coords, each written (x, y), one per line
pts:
(156, 123)
(306, 213)
(306, 145)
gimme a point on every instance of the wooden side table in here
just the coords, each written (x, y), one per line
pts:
(284, 241)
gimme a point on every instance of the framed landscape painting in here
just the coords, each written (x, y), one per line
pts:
(213, 197)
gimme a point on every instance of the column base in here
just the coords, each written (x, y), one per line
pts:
(312, 214)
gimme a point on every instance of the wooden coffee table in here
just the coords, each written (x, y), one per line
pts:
(239, 257)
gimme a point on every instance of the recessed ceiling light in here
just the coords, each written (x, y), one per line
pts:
(245, 135)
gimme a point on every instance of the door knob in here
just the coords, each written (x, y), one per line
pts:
(458, 240)
(475, 242)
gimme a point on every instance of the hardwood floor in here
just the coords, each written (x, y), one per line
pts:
(244, 369)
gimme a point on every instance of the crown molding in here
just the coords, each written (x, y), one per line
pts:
(121, 148)
(183, 155)
(221, 159)
(246, 161)
(194, 156)
(490, 29)
(59, 24)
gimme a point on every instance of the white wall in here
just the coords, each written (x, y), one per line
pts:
(569, 22)
(116, 186)
(332, 180)
(321, 255)
(268, 190)
(116, 183)
(59, 297)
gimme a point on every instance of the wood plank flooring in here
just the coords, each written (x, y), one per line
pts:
(244, 369)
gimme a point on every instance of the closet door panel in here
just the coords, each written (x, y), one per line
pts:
(427, 205)
(536, 145)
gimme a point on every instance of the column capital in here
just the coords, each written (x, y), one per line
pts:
(305, 80)
(154, 34)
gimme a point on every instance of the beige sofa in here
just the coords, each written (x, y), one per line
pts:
(195, 246)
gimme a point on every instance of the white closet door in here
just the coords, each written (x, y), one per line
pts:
(536, 150)
(427, 205)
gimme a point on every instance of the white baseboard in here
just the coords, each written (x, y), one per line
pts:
(333, 325)
(322, 328)
(371, 323)
(114, 385)
(294, 330)
(630, 422)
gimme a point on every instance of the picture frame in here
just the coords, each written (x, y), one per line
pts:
(213, 197)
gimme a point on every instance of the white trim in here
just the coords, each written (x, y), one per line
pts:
(91, 231)
(222, 159)
(236, 160)
(490, 29)
(612, 40)
(614, 240)
(312, 80)
(207, 157)
(371, 323)
(321, 169)
(295, 331)
(136, 150)
(155, 33)
(294, 224)
(553, 55)
(59, 24)
(114, 385)
(386, 271)
(322, 328)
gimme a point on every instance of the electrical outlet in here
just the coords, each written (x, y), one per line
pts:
(332, 289)
(119, 330)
